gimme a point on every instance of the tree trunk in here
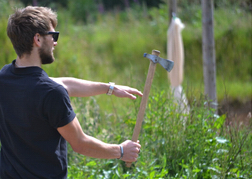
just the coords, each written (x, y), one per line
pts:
(208, 47)
(172, 8)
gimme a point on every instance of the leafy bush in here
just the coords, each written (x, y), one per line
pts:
(174, 144)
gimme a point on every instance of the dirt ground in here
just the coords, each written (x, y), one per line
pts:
(237, 112)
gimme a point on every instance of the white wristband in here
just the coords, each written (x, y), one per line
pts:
(121, 147)
(111, 88)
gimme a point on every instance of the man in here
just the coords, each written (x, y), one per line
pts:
(36, 117)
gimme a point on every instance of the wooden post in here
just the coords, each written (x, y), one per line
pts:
(208, 47)
(172, 8)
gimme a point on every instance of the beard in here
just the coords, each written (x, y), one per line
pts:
(45, 54)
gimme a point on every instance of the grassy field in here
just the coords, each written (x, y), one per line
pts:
(111, 49)
(174, 144)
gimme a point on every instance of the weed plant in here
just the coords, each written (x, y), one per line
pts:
(174, 144)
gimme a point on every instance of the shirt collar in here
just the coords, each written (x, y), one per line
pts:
(25, 70)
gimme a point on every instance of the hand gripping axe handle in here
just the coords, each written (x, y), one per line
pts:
(168, 65)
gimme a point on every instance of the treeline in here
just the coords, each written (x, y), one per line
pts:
(107, 4)
(84, 10)
(122, 4)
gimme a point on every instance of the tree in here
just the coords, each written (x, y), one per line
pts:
(208, 47)
(172, 8)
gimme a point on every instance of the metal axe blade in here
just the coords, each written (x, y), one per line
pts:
(166, 64)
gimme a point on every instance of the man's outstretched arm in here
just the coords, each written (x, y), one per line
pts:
(84, 88)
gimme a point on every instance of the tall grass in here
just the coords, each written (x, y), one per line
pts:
(111, 49)
(174, 145)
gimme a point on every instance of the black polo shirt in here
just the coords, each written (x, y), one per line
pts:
(32, 107)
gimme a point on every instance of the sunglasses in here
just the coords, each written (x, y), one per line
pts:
(55, 35)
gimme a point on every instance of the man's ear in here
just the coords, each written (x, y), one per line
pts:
(37, 39)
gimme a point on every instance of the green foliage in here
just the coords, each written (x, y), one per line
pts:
(82, 9)
(111, 48)
(174, 144)
(7, 52)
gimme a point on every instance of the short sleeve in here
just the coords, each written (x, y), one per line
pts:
(57, 107)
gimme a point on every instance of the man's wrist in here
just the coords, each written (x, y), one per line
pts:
(121, 152)
(111, 88)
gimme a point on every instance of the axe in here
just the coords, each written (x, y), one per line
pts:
(168, 65)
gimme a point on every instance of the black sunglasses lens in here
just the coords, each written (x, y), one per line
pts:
(55, 37)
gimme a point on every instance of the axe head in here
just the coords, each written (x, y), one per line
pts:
(167, 64)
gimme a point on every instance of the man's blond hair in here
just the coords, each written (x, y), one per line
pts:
(25, 23)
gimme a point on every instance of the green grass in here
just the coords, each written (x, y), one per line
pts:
(111, 49)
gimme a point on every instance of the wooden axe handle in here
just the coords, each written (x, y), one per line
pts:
(144, 101)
